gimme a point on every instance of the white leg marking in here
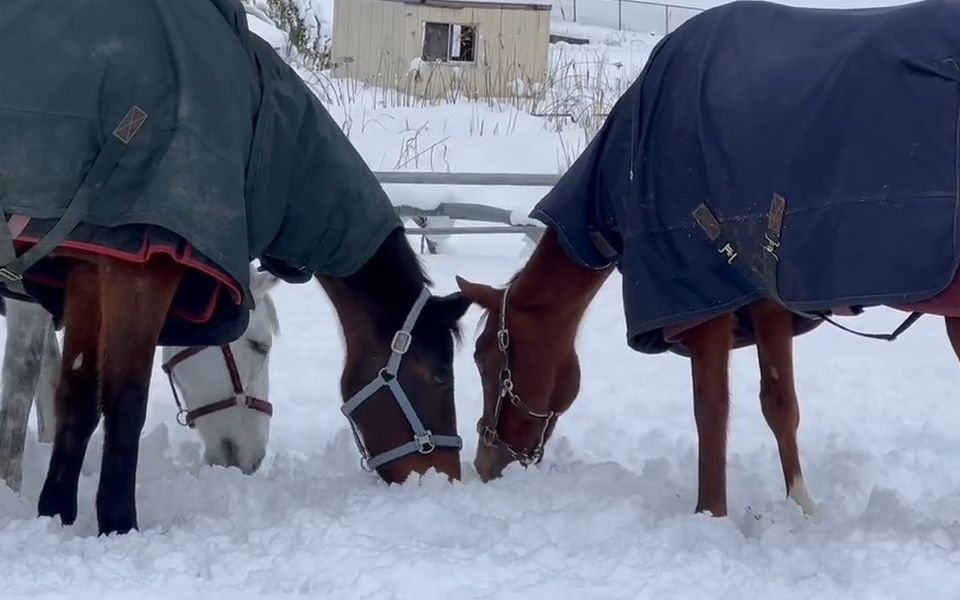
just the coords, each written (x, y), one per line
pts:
(77, 362)
(800, 495)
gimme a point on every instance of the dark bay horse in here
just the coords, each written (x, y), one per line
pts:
(152, 150)
(770, 167)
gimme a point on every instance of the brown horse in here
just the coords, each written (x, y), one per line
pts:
(134, 205)
(740, 167)
(531, 375)
(114, 311)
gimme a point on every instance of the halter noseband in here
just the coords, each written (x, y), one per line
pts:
(188, 418)
(488, 434)
(424, 441)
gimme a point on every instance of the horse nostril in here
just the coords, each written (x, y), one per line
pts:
(230, 454)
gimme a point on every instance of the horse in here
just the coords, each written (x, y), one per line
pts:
(30, 363)
(229, 412)
(185, 149)
(742, 209)
(224, 389)
(530, 372)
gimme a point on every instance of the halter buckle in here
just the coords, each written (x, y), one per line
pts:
(241, 400)
(425, 444)
(401, 342)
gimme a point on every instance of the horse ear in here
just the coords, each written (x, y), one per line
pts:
(449, 309)
(484, 295)
(262, 282)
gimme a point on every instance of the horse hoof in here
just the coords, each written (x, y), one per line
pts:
(54, 503)
(115, 519)
(114, 524)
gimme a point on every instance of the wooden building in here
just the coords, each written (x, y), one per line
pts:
(443, 48)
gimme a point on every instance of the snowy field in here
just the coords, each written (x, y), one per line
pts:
(608, 515)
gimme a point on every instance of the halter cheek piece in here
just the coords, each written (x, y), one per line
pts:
(488, 433)
(424, 441)
(188, 418)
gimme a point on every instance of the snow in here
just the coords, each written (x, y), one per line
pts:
(609, 514)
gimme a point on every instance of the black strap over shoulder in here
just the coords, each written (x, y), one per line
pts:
(12, 267)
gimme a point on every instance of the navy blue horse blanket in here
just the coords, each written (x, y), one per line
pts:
(807, 156)
(223, 154)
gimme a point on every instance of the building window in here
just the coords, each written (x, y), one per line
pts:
(446, 42)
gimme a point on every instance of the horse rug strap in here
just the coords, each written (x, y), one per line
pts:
(763, 269)
(424, 441)
(11, 273)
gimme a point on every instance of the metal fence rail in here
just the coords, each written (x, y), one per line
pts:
(467, 211)
(492, 179)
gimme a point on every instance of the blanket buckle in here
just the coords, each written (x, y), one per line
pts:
(10, 275)
(728, 251)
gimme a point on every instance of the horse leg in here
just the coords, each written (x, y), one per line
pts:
(134, 301)
(953, 333)
(47, 386)
(773, 327)
(709, 345)
(21, 369)
(77, 413)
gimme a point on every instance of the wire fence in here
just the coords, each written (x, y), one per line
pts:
(631, 15)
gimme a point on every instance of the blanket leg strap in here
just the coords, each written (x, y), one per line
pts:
(763, 272)
(11, 273)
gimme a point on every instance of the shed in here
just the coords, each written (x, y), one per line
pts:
(438, 48)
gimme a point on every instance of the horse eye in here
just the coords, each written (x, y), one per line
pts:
(259, 347)
(441, 377)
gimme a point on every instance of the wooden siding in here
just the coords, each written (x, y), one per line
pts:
(376, 41)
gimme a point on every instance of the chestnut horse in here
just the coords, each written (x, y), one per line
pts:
(531, 373)
(741, 173)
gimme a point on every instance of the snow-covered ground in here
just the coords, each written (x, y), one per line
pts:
(609, 513)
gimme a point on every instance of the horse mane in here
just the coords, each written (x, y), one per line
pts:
(391, 280)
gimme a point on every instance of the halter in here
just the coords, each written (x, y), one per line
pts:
(187, 418)
(424, 441)
(488, 435)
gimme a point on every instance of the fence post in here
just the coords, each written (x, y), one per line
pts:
(666, 19)
(575, 11)
(620, 15)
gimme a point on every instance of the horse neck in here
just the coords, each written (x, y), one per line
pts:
(376, 298)
(555, 288)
